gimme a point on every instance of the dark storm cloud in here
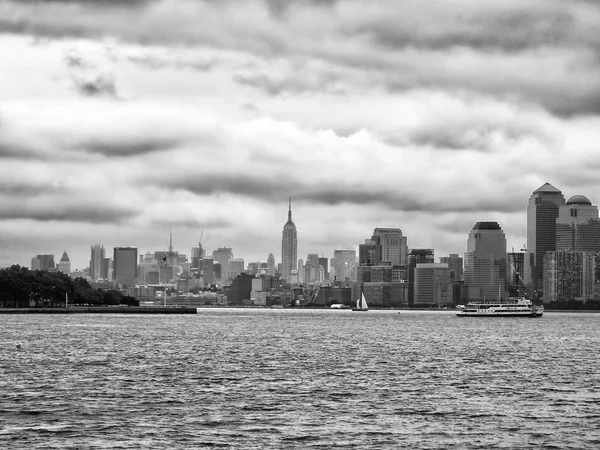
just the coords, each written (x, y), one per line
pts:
(92, 213)
(131, 147)
(364, 195)
(333, 194)
(239, 184)
(195, 224)
(278, 8)
(487, 29)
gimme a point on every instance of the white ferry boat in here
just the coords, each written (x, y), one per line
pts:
(513, 307)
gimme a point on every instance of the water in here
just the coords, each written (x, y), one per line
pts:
(250, 378)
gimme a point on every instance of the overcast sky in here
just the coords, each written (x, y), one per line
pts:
(121, 120)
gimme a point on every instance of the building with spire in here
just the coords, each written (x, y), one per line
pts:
(289, 247)
(542, 212)
(64, 265)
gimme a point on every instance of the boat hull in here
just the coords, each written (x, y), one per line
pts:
(523, 314)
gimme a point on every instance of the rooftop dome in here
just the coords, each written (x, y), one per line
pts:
(579, 200)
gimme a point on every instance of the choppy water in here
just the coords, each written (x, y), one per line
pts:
(249, 378)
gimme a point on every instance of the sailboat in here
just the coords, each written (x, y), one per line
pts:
(361, 303)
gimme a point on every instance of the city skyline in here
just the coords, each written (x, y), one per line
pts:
(207, 116)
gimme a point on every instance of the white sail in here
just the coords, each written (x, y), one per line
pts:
(361, 303)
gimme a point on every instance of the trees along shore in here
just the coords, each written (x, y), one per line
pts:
(24, 288)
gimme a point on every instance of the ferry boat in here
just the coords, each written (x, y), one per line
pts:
(513, 307)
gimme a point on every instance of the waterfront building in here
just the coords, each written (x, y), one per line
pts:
(542, 212)
(289, 247)
(97, 255)
(125, 265)
(568, 275)
(514, 276)
(240, 289)
(417, 256)
(64, 265)
(578, 226)
(485, 271)
(433, 285)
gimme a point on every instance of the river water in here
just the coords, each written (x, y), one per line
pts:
(253, 379)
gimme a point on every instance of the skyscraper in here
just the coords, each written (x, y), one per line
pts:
(455, 264)
(393, 245)
(542, 212)
(271, 264)
(64, 265)
(97, 255)
(568, 275)
(289, 247)
(485, 271)
(417, 256)
(222, 255)
(578, 226)
(125, 265)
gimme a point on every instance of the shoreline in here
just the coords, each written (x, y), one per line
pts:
(194, 310)
(101, 310)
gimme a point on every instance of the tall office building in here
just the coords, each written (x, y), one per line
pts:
(417, 256)
(343, 265)
(578, 226)
(485, 271)
(271, 265)
(207, 271)
(455, 264)
(311, 268)
(324, 263)
(106, 269)
(369, 253)
(542, 212)
(289, 247)
(97, 255)
(222, 255)
(43, 262)
(64, 265)
(432, 284)
(301, 272)
(125, 265)
(393, 245)
(514, 276)
(236, 267)
(568, 275)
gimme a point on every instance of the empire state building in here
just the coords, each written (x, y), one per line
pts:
(289, 247)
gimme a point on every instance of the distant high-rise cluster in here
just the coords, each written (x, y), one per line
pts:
(559, 262)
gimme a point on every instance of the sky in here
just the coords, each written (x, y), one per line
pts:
(121, 121)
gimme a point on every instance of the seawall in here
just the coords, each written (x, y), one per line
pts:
(99, 310)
